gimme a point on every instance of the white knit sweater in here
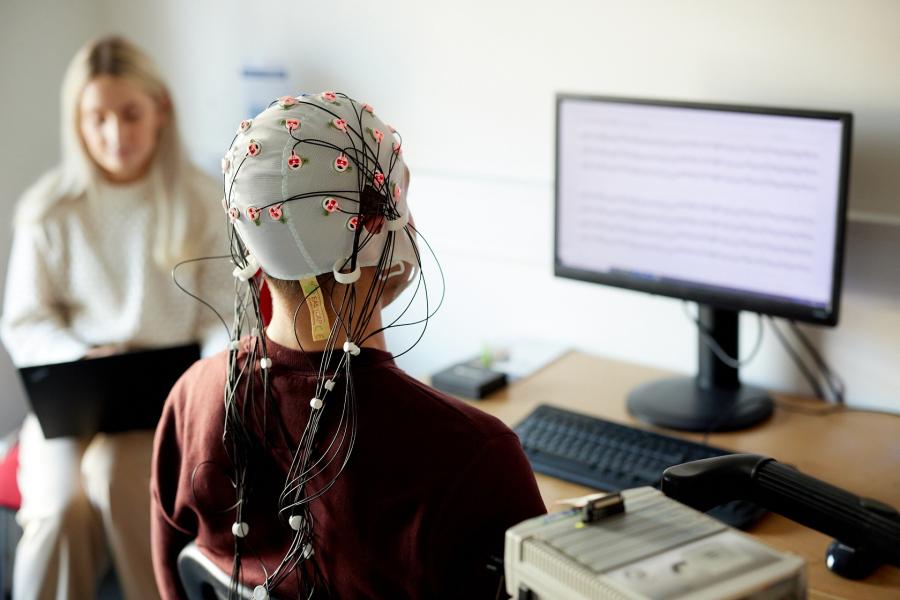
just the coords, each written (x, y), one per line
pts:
(85, 276)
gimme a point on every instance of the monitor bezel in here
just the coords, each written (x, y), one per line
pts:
(735, 299)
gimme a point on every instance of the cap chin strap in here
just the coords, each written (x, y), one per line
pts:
(393, 272)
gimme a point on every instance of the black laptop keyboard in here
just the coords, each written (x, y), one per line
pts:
(611, 457)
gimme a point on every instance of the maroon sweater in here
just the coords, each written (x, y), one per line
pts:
(422, 505)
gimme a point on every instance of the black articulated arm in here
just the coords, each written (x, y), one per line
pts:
(858, 523)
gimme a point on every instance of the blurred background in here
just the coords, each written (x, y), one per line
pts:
(471, 87)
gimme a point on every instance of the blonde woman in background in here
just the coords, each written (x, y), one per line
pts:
(89, 275)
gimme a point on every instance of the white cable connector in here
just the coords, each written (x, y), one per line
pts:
(351, 348)
(308, 551)
(265, 363)
(329, 384)
(260, 593)
(249, 271)
(240, 529)
(296, 522)
(345, 278)
(316, 403)
(234, 344)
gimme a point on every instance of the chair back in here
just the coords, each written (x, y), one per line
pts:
(203, 580)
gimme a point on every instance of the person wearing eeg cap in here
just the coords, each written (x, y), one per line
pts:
(338, 474)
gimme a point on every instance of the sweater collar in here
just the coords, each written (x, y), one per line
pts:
(308, 363)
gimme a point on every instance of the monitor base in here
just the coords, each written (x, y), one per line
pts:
(680, 403)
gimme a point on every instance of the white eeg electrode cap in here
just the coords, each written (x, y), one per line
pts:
(293, 195)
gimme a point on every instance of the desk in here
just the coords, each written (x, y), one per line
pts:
(856, 450)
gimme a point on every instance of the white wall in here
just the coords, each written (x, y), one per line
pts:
(470, 85)
(472, 82)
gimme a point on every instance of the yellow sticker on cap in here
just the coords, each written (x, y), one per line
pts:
(318, 316)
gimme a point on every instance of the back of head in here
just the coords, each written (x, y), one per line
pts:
(315, 184)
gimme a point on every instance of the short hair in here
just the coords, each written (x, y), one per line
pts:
(291, 289)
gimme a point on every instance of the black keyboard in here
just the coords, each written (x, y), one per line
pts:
(611, 457)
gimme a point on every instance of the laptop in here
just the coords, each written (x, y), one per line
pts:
(111, 394)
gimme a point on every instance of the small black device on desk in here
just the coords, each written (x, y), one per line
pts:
(110, 394)
(470, 379)
(611, 457)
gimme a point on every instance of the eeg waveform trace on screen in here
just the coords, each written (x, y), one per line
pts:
(742, 202)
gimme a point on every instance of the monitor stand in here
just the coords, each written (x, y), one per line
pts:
(714, 400)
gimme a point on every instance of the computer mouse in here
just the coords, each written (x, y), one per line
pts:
(850, 562)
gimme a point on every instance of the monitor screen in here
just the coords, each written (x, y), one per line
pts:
(737, 207)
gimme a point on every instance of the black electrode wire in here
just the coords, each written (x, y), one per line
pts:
(234, 178)
(328, 356)
(237, 440)
(259, 349)
(261, 564)
(428, 313)
(295, 478)
(395, 154)
(437, 263)
(712, 344)
(305, 195)
(194, 296)
(197, 499)
(421, 282)
(232, 389)
(357, 111)
(337, 116)
(305, 473)
(406, 308)
(308, 434)
(366, 240)
(382, 276)
(413, 296)
(225, 189)
(273, 579)
(260, 340)
(339, 426)
(289, 563)
(375, 289)
(311, 471)
(359, 157)
(240, 438)
(349, 391)
(329, 349)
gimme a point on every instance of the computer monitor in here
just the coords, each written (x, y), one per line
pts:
(736, 208)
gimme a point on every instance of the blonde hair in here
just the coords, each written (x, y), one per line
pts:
(178, 212)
